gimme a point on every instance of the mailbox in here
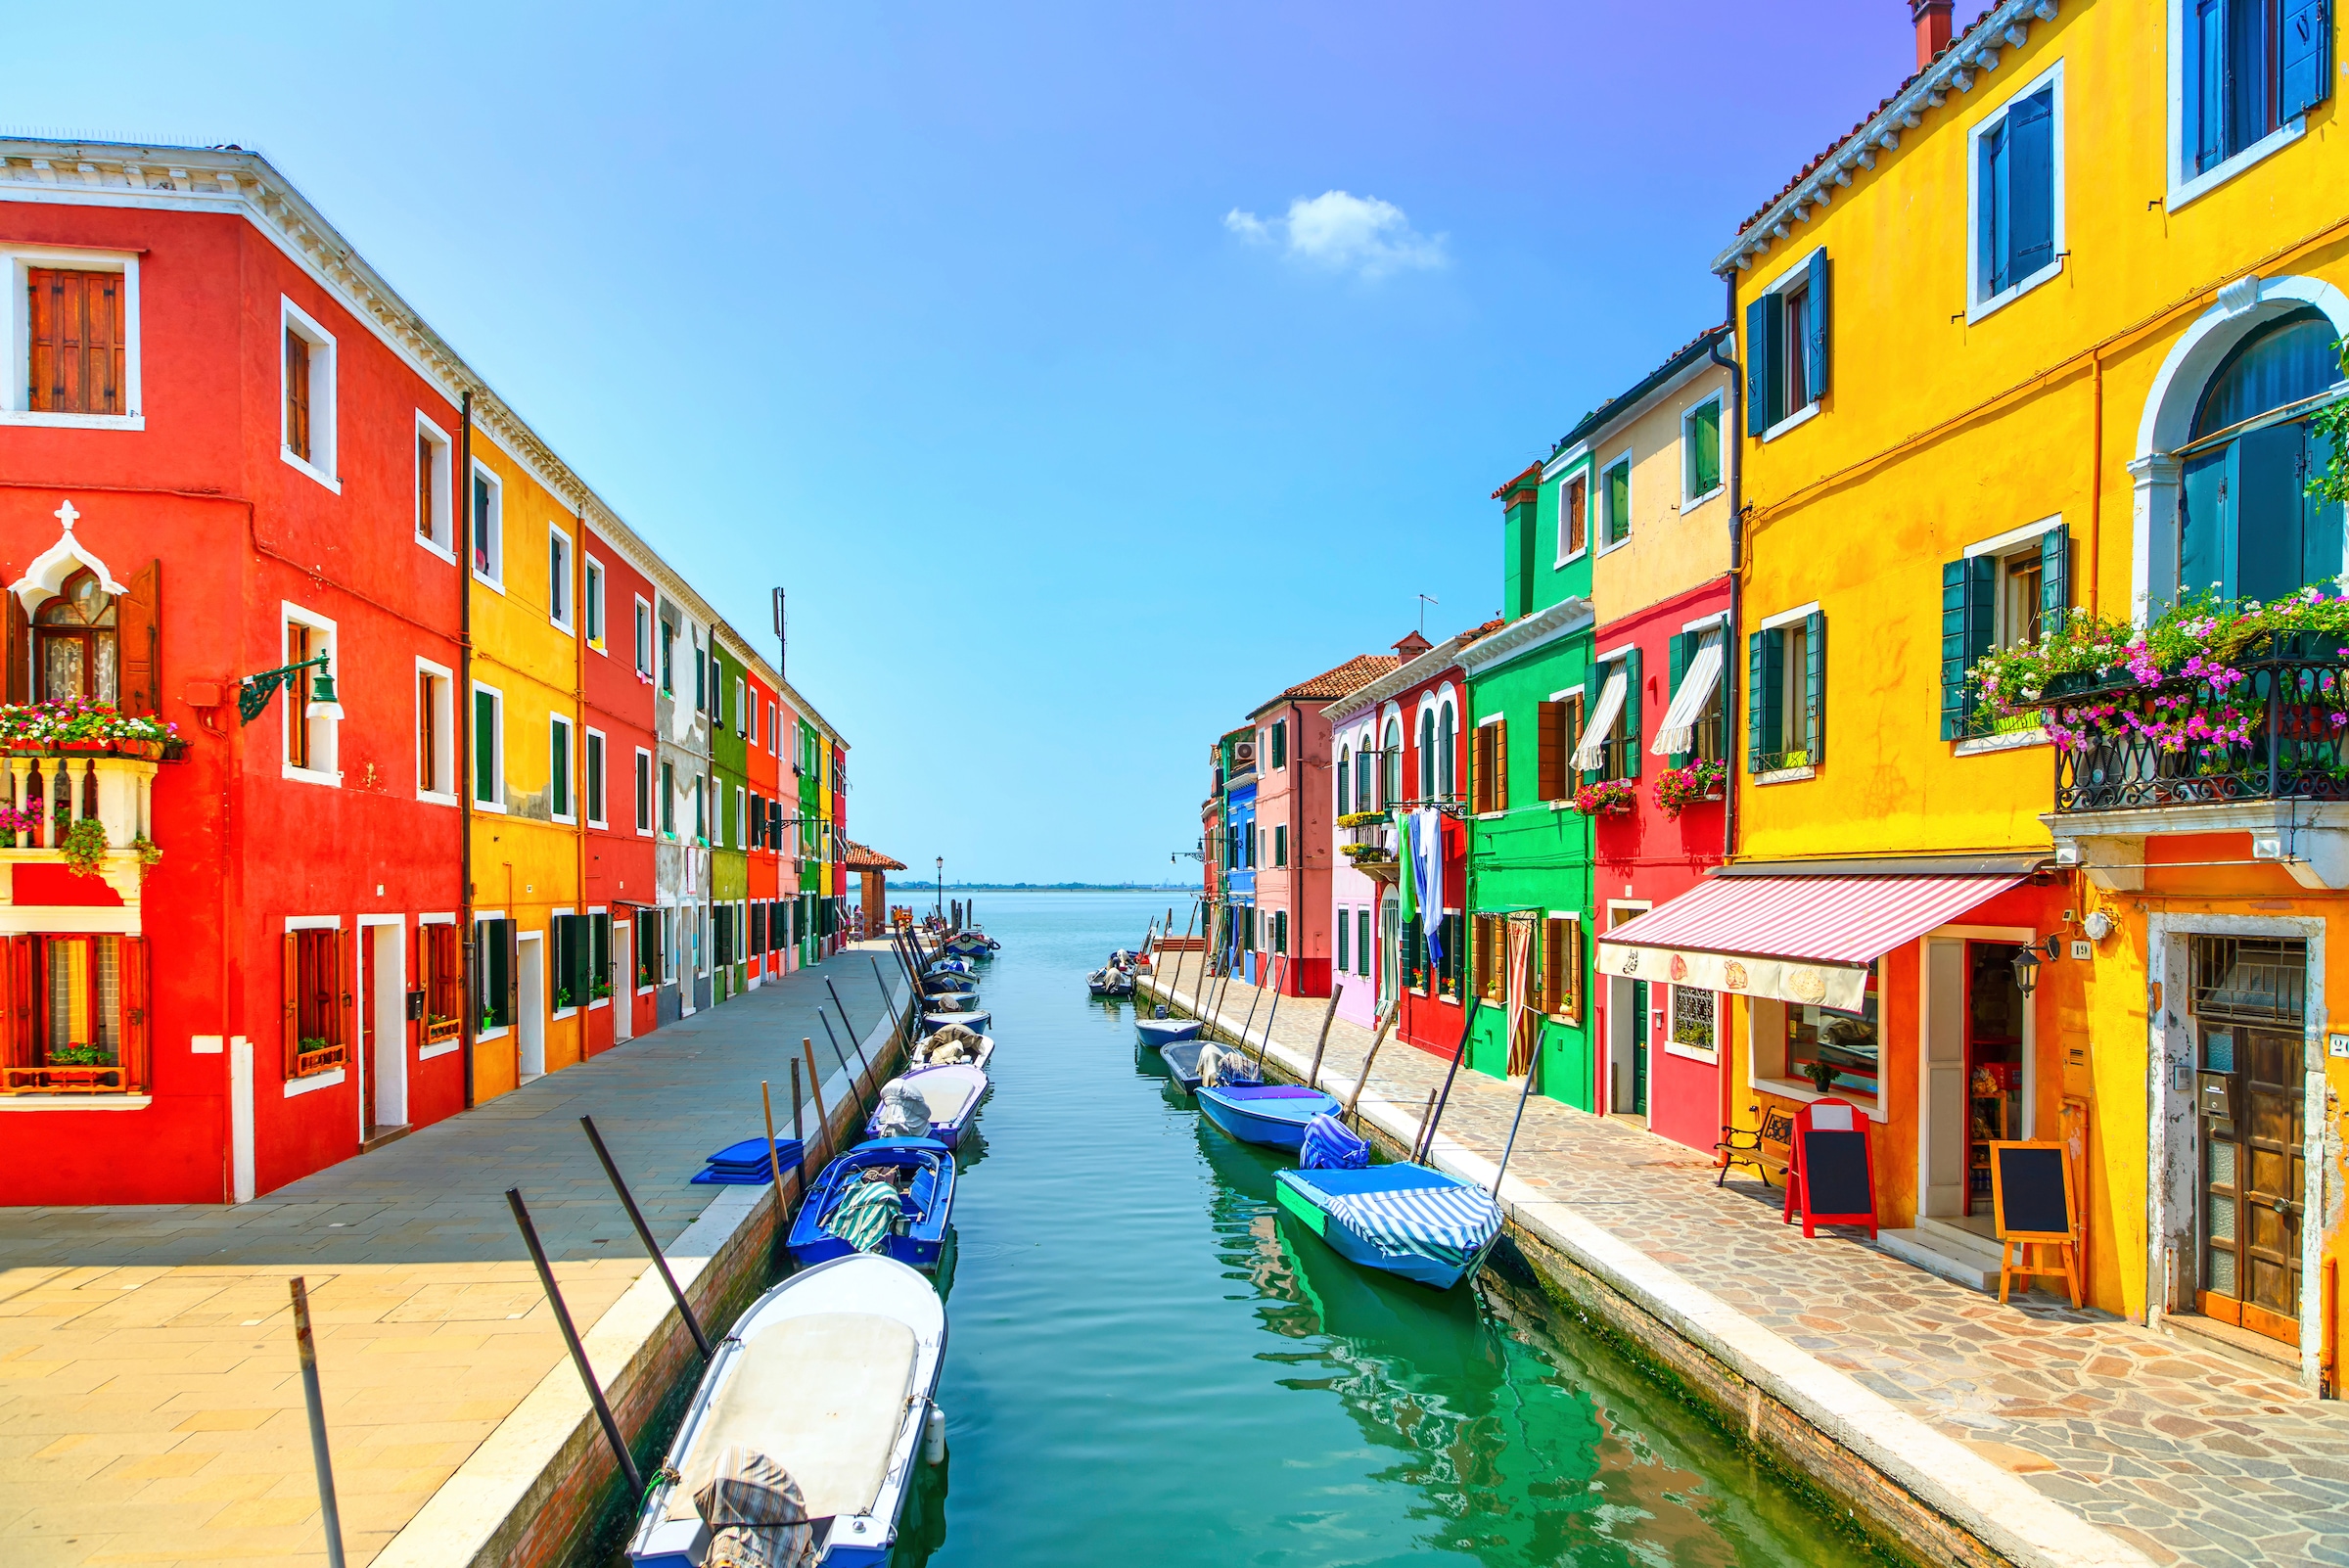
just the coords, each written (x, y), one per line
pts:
(415, 1005)
(2218, 1097)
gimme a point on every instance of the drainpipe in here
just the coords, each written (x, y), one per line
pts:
(1733, 430)
(463, 703)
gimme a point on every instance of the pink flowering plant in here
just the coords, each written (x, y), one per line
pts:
(1613, 796)
(2179, 682)
(1680, 788)
(50, 725)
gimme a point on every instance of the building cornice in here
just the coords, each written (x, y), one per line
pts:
(1402, 677)
(2007, 25)
(1523, 636)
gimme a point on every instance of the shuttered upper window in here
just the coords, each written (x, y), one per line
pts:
(77, 341)
(2017, 206)
(2003, 593)
(306, 387)
(2244, 73)
(1787, 346)
(1787, 721)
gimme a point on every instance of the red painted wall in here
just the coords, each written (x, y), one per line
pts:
(619, 703)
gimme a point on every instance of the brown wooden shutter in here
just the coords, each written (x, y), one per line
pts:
(103, 304)
(298, 395)
(139, 632)
(338, 986)
(1572, 1007)
(290, 988)
(18, 647)
(1550, 751)
(135, 1002)
(44, 299)
(20, 1041)
(513, 973)
(1501, 766)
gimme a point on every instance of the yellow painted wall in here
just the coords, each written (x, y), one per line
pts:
(1670, 549)
(1936, 434)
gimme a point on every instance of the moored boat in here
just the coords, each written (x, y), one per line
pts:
(951, 1094)
(1272, 1114)
(809, 1418)
(836, 1220)
(1406, 1220)
(1166, 1031)
(1182, 1059)
(975, 1019)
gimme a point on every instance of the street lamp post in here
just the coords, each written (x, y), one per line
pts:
(942, 889)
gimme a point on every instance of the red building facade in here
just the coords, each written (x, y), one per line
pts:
(619, 871)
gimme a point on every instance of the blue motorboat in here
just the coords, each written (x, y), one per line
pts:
(949, 1092)
(925, 1208)
(1272, 1114)
(1406, 1220)
(1182, 1060)
(819, 1399)
(1162, 1031)
(948, 983)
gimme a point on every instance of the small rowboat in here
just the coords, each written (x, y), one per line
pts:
(949, 985)
(975, 1019)
(1110, 982)
(1163, 1032)
(1182, 1060)
(926, 1209)
(1270, 1113)
(952, 1091)
(1407, 1220)
(830, 1376)
(952, 966)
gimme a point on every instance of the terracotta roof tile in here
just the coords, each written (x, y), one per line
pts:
(858, 857)
(1359, 670)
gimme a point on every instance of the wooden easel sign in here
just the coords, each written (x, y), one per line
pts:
(2032, 1203)
(1830, 1180)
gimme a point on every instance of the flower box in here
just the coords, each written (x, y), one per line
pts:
(1612, 797)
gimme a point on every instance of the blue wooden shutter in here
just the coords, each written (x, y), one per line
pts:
(2055, 579)
(1758, 378)
(1677, 657)
(1815, 348)
(1992, 186)
(1630, 714)
(2307, 56)
(2205, 84)
(1814, 685)
(1968, 590)
(2031, 185)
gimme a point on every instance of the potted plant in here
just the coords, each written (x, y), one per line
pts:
(1679, 788)
(150, 853)
(1821, 1074)
(83, 848)
(600, 989)
(1611, 797)
(15, 821)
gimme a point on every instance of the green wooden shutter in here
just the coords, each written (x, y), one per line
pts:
(1757, 366)
(1725, 720)
(1814, 685)
(1677, 651)
(2055, 579)
(1756, 721)
(1968, 593)
(1630, 714)
(1594, 682)
(1815, 348)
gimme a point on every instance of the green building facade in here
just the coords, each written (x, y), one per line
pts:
(729, 865)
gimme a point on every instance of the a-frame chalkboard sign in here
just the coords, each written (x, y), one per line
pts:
(2032, 1202)
(1830, 1180)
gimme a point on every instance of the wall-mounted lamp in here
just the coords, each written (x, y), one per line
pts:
(254, 691)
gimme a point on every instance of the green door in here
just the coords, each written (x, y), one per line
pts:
(1638, 1047)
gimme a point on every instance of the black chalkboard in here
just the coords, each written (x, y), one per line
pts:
(2030, 1189)
(1835, 1173)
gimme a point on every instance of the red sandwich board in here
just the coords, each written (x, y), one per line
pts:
(1830, 1174)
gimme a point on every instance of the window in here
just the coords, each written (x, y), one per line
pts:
(1390, 780)
(495, 973)
(2017, 201)
(1562, 968)
(592, 784)
(1786, 726)
(1560, 722)
(1280, 843)
(558, 577)
(1446, 752)
(644, 639)
(701, 679)
(1574, 519)
(2244, 75)
(1280, 743)
(566, 944)
(649, 956)
(436, 734)
(700, 810)
(1700, 452)
(1787, 348)
(77, 643)
(1427, 753)
(1489, 769)
(2002, 594)
(1692, 1023)
(591, 604)
(2246, 522)
(741, 707)
(1614, 494)
(1280, 931)
(307, 383)
(1361, 941)
(432, 487)
(1345, 923)
(488, 528)
(669, 659)
(310, 727)
(77, 341)
(79, 1026)
(771, 730)
(488, 748)
(644, 791)
(1609, 747)
(442, 979)
(315, 997)
(1693, 720)
(1345, 777)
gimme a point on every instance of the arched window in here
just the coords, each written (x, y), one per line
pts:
(1344, 795)
(1427, 753)
(2246, 524)
(76, 645)
(1361, 776)
(1445, 773)
(1390, 781)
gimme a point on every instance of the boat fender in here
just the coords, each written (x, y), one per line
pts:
(934, 1437)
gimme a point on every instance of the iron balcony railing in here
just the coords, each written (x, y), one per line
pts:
(2280, 734)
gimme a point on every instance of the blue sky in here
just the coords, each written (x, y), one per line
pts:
(1025, 344)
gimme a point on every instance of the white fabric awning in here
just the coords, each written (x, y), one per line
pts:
(1696, 690)
(1592, 750)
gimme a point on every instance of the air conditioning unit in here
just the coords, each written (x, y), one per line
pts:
(1243, 754)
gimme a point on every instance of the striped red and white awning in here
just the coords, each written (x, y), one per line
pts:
(1804, 939)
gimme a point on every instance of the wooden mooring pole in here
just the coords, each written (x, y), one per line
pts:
(321, 1461)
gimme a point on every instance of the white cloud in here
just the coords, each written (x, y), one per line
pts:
(1343, 233)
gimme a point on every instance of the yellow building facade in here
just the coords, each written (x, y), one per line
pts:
(1986, 337)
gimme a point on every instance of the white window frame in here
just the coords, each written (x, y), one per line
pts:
(741, 703)
(2183, 187)
(497, 749)
(555, 1014)
(569, 774)
(647, 649)
(494, 576)
(437, 533)
(328, 739)
(1689, 501)
(594, 623)
(773, 731)
(1576, 467)
(598, 744)
(561, 612)
(443, 790)
(320, 463)
(15, 324)
(648, 803)
(1797, 275)
(1979, 304)
(1631, 474)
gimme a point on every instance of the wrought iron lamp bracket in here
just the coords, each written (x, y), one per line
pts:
(254, 691)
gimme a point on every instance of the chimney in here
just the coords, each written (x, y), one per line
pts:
(1932, 20)
(1411, 646)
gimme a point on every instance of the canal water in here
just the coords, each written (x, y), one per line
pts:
(1147, 1364)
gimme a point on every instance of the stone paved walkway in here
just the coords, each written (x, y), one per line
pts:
(151, 1406)
(2188, 1456)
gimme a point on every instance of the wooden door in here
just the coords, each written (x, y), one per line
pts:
(2253, 1166)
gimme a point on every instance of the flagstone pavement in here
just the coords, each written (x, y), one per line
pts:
(2189, 1455)
(151, 1406)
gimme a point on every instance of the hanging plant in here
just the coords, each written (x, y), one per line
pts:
(15, 820)
(2332, 482)
(150, 853)
(1612, 797)
(83, 848)
(1679, 788)
(1361, 818)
